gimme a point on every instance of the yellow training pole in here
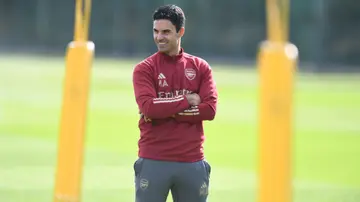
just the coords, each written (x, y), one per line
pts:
(79, 57)
(277, 61)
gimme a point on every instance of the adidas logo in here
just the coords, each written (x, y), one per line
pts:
(162, 80)
(161, 76)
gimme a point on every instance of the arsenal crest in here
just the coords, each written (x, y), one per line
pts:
(190, 73)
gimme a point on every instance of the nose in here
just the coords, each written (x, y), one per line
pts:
(160, 37)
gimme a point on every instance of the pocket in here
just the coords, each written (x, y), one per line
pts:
(207, 168)
(138, 166)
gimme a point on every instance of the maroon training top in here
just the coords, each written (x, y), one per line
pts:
(176, 131)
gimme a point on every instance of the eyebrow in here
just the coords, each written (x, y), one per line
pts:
(165, 30)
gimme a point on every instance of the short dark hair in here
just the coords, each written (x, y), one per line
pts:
(171, 12)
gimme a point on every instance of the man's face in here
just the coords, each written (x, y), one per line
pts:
(165, 36)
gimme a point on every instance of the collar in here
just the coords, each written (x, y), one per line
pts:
(173, 58)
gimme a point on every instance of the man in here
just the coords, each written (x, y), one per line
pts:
(175, 93)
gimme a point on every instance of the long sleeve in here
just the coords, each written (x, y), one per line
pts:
(146, 98)
(208, 94)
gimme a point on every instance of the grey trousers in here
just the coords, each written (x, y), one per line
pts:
(188, 182)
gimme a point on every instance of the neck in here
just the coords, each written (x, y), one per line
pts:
(175, 51)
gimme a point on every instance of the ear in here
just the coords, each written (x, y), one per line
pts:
(181, 32)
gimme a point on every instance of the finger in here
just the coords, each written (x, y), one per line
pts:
(147, 119)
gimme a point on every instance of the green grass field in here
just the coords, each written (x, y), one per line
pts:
(326, 140)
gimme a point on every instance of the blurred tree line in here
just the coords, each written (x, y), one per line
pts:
(325, 31)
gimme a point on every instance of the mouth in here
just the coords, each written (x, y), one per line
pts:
(162, 45)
